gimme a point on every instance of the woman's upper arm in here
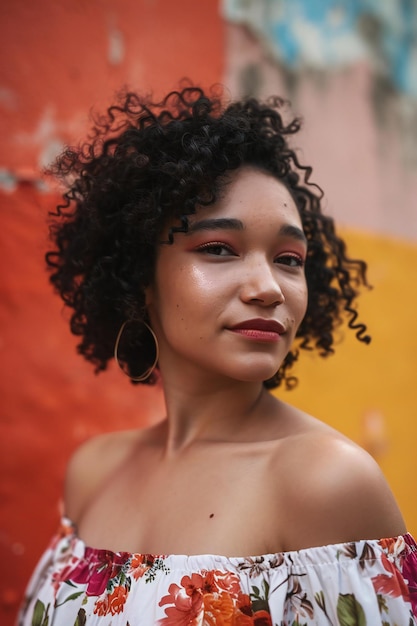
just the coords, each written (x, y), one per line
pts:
(341, 496)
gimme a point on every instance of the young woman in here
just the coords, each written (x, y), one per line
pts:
(193, 247)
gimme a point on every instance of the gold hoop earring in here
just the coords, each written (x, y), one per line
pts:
(149, 371)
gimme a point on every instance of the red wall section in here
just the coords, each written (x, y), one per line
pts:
(60, 59)
(51, 400)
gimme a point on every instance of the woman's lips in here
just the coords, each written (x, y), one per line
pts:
(259, 329)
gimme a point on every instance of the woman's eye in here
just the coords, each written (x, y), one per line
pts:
(216, 249)
(291, 260)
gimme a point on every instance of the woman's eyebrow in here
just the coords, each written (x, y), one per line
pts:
(288, 230)
(228, 223)
(221, 223)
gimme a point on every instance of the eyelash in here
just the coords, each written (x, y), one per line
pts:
(294, 257)
(214, 244)
(206, 247)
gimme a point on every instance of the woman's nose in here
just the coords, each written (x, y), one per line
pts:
(261, 285)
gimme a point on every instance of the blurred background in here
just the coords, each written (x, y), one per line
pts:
(349, 68)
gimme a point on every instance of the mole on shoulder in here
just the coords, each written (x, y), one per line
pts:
(211, 514)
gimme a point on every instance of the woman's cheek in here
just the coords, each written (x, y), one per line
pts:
(205, 284)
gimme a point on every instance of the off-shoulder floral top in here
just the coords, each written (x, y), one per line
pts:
(358, 583)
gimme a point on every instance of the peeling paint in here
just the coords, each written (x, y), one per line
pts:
(317, 38)
(116, 48)
(45, 137)
(9, 182)
(306, 34)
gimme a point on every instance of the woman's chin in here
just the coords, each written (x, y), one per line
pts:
(255, 374)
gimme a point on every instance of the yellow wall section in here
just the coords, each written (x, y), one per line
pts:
(369, 392)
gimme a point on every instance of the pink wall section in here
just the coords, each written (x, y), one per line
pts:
(60, 59)
(367, 168)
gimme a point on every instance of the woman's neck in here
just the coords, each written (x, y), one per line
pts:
(213, 411)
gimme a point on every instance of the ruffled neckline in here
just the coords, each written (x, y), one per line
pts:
(350, 550)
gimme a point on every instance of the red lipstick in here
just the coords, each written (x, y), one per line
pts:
(260, 329)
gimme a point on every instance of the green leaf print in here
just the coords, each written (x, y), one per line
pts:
(319, 598)
(40, 614)
(382, 603)
(260, 605)
(73, 596)
(350, 611)
(81, 618)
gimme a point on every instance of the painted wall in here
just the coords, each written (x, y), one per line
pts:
(61, 58)
(369, 392)
(357, 96)
(350, 70)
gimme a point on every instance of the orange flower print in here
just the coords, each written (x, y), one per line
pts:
(117, 599)
(112, 603)
(395, 547)
(139, 565)
(214, 596)
(101, 607)
(219, 609)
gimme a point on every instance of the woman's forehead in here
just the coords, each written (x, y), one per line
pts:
(249, 192)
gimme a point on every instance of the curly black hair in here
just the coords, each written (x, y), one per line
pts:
(149, 162)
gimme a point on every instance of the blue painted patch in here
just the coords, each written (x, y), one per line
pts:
(325, 34)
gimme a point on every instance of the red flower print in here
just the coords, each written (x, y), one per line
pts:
(193, 584)
(97, 569)
(410, 575)
(262, 618)
(243, 620)
(224, 581)
(393, 584)
(187, 601)
(244, 604)
(62, 575)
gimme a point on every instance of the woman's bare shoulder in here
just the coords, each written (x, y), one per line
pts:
(337, 491)
(93, 462)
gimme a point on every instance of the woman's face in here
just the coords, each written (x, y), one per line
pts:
(229, 295)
